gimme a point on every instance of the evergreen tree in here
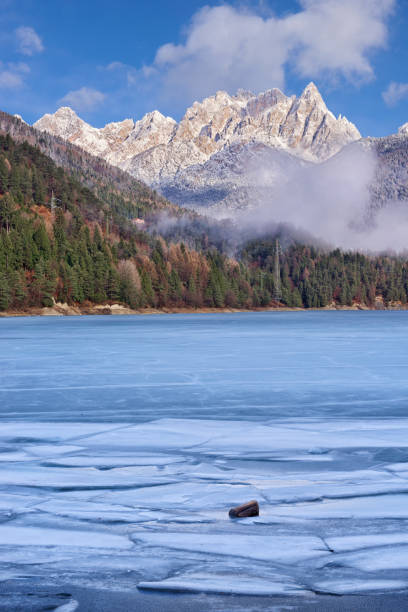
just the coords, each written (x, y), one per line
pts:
(5, 293)
(7, 211)
(4, 176)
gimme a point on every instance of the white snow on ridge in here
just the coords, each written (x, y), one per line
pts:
(157, 148)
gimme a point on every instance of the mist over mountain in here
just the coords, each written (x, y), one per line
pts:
(262, 160)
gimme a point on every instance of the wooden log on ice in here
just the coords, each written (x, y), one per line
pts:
(251, 508)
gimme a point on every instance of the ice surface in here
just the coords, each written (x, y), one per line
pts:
(118, 464)
(184, 495)
(226, 584)
(344, 587)
(32, 536)
(279, 549)
(37, 432)
(70, 606)
(51, 450)
(109, 461)
(346, 543)
(60, 479)
(375, 507)
(97, 511)
(376, 559)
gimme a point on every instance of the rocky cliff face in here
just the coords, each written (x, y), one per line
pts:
(168, 155)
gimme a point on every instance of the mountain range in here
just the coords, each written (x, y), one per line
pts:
(74, 228)
(64, 250)
(211, 157)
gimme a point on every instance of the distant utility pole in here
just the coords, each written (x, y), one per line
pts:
(108, 219)
(277, 295)
(53, 202)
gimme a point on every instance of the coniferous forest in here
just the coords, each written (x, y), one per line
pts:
(62, 242)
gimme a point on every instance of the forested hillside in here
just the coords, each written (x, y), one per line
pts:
(314, 278)
(60, 241)
(110, 184)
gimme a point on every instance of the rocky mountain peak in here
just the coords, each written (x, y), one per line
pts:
(64, 122)
(244, 94)
(65, 111)
(403, 130)
(311, 91)
(155, 148)
(119, 124)
(311, 98)
(17, 116)
(157, 118)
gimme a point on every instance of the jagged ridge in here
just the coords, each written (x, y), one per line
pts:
(156, 148)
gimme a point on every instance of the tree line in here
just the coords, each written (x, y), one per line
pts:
(60, 241)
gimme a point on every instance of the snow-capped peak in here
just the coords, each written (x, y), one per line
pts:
(311, 95)
(156, 147)
(157, 118)
(65, 111)
(403, 129)
(17, 116)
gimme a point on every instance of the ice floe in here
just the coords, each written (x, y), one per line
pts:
(160, 492)
(344, 587)
(279, 549)
(376, 559)
(100, 485)
(226, 584)
(32, 536)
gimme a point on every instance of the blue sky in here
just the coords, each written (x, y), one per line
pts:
(111, 60)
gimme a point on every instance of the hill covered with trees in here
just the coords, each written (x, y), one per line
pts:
(313, 277)
(61, 240)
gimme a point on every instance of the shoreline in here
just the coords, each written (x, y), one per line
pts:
(61, 310)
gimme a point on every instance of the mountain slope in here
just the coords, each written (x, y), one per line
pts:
(240, 176)
(390, 183)
(113, 186)
(56, 243)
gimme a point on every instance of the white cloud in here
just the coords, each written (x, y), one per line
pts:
(394, 93)
(228, 47)
(19, 67)
(10, 80)
(83, 99)
(130, 72)
(12, 75)
(115, 66)
(28, 41)
(337, 36)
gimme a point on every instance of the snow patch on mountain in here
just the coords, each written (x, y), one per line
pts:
(403, 130)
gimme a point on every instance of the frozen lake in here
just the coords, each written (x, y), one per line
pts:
(124, 442)
(235, 366)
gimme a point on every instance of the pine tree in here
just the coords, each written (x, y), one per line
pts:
(4, 175)
(5, 293)
(7, 211)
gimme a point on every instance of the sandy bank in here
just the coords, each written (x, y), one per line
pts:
(63, 309)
